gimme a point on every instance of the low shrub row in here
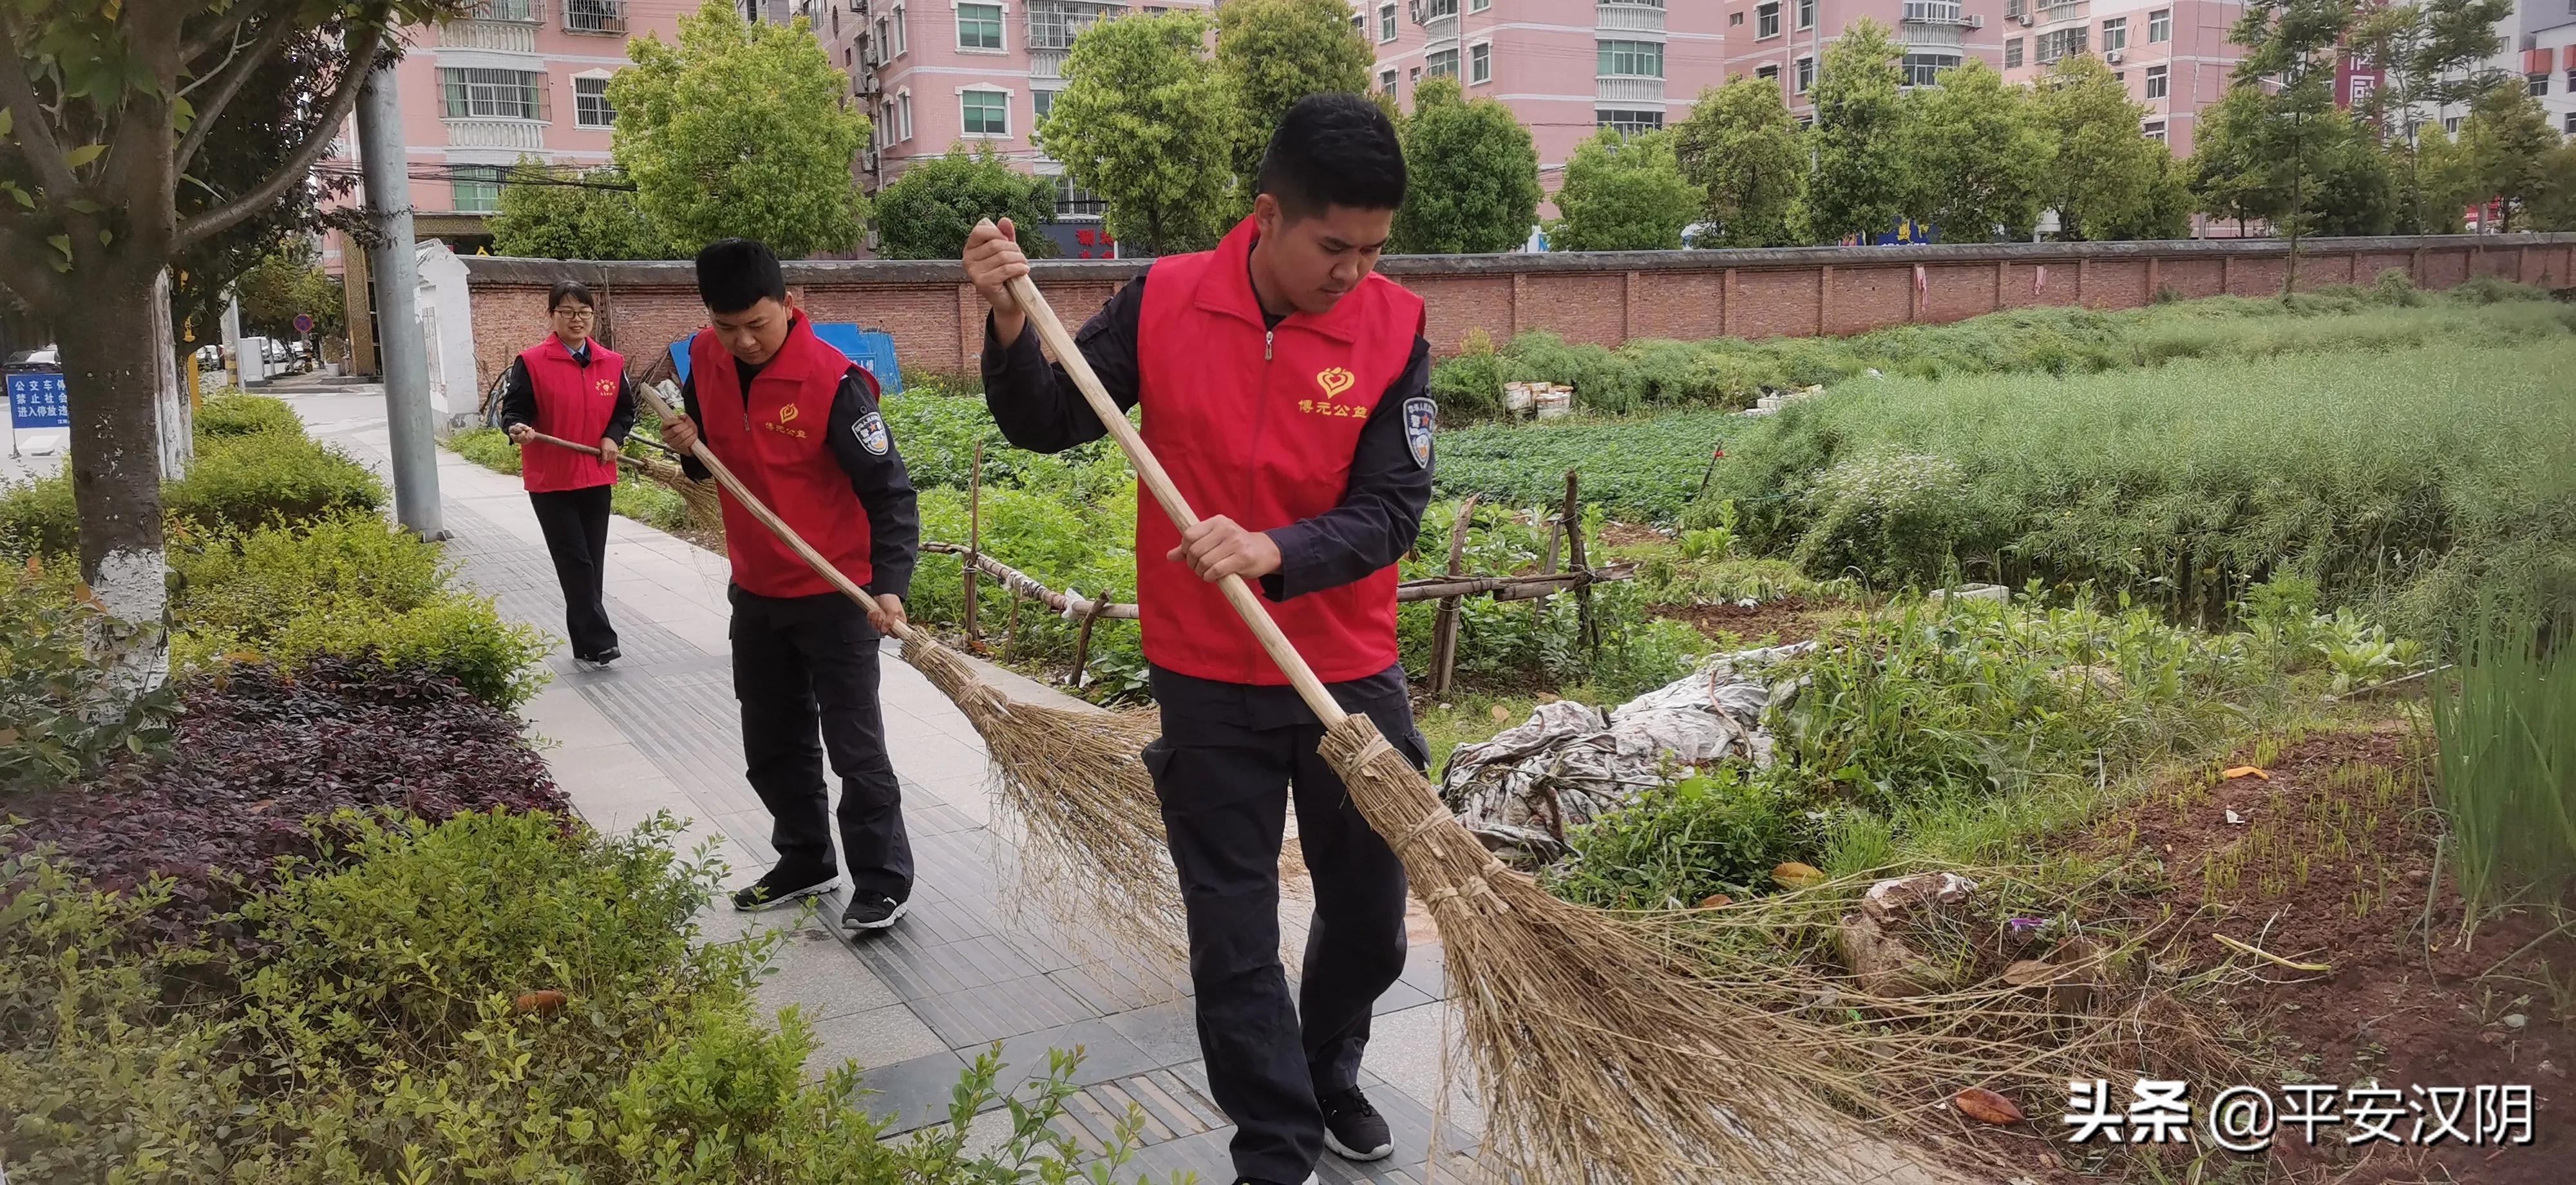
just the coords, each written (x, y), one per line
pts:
(496, 997)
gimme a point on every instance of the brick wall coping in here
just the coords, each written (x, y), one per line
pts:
(502, 270)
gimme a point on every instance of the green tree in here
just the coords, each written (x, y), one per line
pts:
(2444, 186)
(1473, 175)
(1862, 177)
(1740, 145)
(928, 212)
(107, 113)
(2105, 180)
(2506, 139)
(2429, 54)
(2288, 72)
(740, 129)
(1272, 53)
(287, 282)
(572, 214)
(2229, 176)
(1980, 156)
(2555, 207)
(2355, 191)
(1625, 193)
(1146, 122)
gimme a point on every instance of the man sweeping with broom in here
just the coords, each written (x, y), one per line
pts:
(797, 422)
(1285, 387)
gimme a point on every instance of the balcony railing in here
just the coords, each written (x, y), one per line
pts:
(1048, 63)
(1628, 18)
(1629, 90)
(2066, 10)
(1441, 28)
(495, 134)
(1935, 12)
(595, 16)
(1943, 36)
(504, 36)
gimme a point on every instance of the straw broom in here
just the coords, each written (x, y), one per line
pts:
(1094, 837)
(703, 507)
(1603, 1055)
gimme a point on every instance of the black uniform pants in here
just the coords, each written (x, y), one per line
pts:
(1225, 790)
(576, 526)
(803, 665)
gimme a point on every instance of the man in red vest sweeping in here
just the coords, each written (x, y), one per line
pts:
(797, 421)
(1285, 386)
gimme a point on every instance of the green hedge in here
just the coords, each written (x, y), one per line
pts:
(376, 1034)
(237, 414)
(251, 469)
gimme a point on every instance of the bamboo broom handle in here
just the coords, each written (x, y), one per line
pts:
(1051, 331)
(653, 398)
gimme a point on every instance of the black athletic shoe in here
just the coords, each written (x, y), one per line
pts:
(607, 656)
(1310, 1180)
(1352, 1128)
(872, 915)
(783, 886)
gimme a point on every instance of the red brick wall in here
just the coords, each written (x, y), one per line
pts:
(937, 322)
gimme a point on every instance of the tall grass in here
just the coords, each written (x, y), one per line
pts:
(2506, 725)
(2404, 484)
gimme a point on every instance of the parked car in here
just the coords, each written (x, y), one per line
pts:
(40, 358)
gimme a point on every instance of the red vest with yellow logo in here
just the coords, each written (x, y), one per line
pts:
(574, 402)
(1259, 425)
(772, 438)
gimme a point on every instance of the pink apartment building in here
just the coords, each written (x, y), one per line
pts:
(1787, 39)
(1567, 68)
(2173, 55)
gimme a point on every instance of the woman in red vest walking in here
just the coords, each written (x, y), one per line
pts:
(572, 388)
(1286, 389)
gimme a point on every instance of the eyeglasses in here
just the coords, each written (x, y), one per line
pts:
(576, 313)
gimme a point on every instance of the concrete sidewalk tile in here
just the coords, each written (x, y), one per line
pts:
(1168, 1033)
(563, 716)
(1106, 1055)
(1426, 970)
(1404, 1050)
(1001, 1011)
(720, 922)
(886, 1036)
(815, 972)
(926, 754)
(1398, 997)
(618, 817)
(908, 1094)
(1203, 1154)
(941, 922)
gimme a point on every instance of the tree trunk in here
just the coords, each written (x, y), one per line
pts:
(110, 367)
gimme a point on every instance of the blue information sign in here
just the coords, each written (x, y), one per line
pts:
(872, 349)
(36, 400)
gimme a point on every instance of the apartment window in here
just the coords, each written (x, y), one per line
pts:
(1767, 73)
(1806, 76)
(2012, 52)
(1480, 64)
(1924, 69)
(590, 107)
(903, 113)
(1735, 20)
(1766, 20)
(1044, 102)
(1629, 123)
(1479, 5)
(1806, 14)
(2160, 26)
(2061, 43)
(2016, 9)
(480, 93)
(2537, 84)
(902, 40)
(979, 26)
(477, 188)
(2115, 34)
(1632, 59)
(2153, 129)
(595, 16)
(988, 113)
(1385, 23)
(2571, 74)
(1054, 26)
(1386, 81)
(1440, 8)
(1442, 64)
(2159, 81)
(881, 46)
(2451, 125)
(1073, 201)
(523, 11)
(2571, 123)
(1359, 24)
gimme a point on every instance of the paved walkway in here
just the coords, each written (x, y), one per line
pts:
(658, 731)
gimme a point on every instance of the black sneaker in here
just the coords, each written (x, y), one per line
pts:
(1310, 1180)
(783, 886)
(874, 914)
(1352, 1128)
(607, 656)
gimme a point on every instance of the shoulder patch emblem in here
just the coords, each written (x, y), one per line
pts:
(1421, 415)
(870, 429)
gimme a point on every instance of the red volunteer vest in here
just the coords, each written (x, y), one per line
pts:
(772, 438)
(1260, 426)
(574, 402)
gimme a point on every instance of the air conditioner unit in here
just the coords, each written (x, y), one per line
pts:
(2112, 57)
(2025, 20)
(873, 162)
(1977, 21)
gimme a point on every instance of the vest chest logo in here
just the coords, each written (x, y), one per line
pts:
(1335, 381)
(784, 425)
(604, 388)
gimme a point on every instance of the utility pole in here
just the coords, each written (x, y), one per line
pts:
(398, 340)
(232, 340)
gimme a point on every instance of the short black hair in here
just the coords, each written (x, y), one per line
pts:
(1333, 150)
(733, 274)
(572, 288)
